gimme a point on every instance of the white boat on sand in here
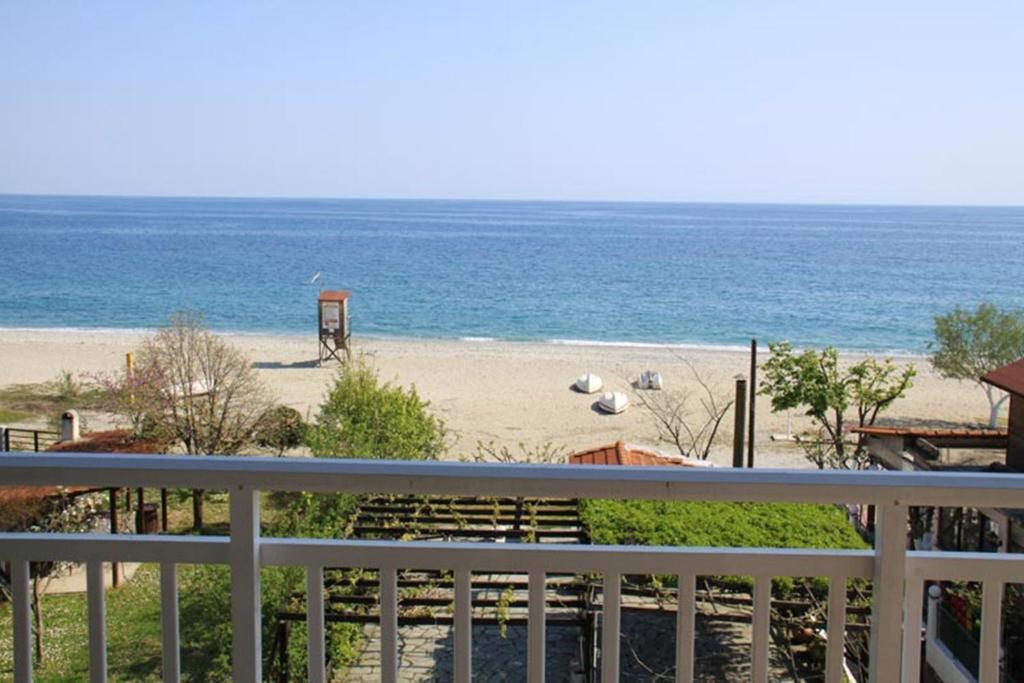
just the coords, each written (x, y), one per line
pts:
(589, 383)
(613, 402)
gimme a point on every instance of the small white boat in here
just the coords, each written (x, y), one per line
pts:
(613, 402)
(589, 383)
(650, 379)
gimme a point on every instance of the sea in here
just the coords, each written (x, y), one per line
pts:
(861, 278)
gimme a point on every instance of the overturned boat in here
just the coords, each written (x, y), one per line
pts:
(613, 402)
(589, 383)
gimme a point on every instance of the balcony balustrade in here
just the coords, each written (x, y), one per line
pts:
(898, 575)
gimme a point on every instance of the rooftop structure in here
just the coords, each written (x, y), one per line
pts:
(621, 453)
(1010, 378)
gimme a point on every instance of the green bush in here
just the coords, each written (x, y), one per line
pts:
(364, 418)
(281, 429)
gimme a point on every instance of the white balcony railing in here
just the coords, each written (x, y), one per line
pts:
(897, 575)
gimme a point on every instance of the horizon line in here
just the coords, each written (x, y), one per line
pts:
(512, 200)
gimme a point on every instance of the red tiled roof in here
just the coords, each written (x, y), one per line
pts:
(930, 433)
(334, 295)
(111, 441)
(619, 453)
(1008, 378)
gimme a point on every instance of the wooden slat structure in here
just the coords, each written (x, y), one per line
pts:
(333, 326)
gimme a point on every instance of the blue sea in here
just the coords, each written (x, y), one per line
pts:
(857, 277)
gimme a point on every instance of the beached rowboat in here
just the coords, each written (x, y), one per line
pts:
(589, 383)
(613, 402)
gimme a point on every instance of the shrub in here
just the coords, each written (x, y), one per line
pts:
(719, 524)
(364, 418)
(281, 429)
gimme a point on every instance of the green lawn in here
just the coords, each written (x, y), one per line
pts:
(133, 633)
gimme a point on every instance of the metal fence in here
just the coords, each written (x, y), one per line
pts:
(25, 440)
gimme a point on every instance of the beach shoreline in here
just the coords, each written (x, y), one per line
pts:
(505, 392)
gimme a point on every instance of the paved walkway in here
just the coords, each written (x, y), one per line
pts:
(425, 654)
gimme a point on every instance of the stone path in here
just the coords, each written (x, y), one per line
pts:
(425, 654)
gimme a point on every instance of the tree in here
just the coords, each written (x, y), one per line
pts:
(540, 454)
(195, 389)
(827, 389)
(364, 418)
(692, 434)
(281, 429)
(969, 344)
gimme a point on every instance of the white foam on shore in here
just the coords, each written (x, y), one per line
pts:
(647, 345)
(599, 343)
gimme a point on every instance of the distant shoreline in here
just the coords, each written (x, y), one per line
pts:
(573, 343)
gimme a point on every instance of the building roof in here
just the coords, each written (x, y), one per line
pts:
(621, 453)
(1008, 378)
(932, 433)
(334, 295)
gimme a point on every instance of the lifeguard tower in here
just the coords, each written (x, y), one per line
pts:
(335, 335)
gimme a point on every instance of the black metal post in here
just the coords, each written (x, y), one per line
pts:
(163, 510)
(740, 410)
(753, 395)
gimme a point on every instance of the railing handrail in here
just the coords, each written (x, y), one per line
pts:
(974, 489)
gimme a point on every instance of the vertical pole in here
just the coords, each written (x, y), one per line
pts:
(753, 395)
(171, 664)
(887, 592)
(463, 626)
(115, 568)
(20, 580)
(610, 627)
(388, 625)
(835, 644)
(316, 671)
(35, 441)
(685, 628)
(912, 607)
(738, 430)
(140, 526)
(991, 631)
(761, 629)
(536, 641)
(163, 510)
(3, 439)
(97, 622)
(244, 553)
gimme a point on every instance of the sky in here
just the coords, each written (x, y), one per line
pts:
(918, 102)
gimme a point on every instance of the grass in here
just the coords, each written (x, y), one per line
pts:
(48, 399)
(133, 610)
(12, 417)
(133, 633)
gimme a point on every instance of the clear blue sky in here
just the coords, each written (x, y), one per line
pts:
(889, 102)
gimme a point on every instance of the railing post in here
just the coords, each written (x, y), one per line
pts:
(887, 592)
(20, 582)
(246, 627)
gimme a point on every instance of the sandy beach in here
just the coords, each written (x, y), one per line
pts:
(504, 392)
